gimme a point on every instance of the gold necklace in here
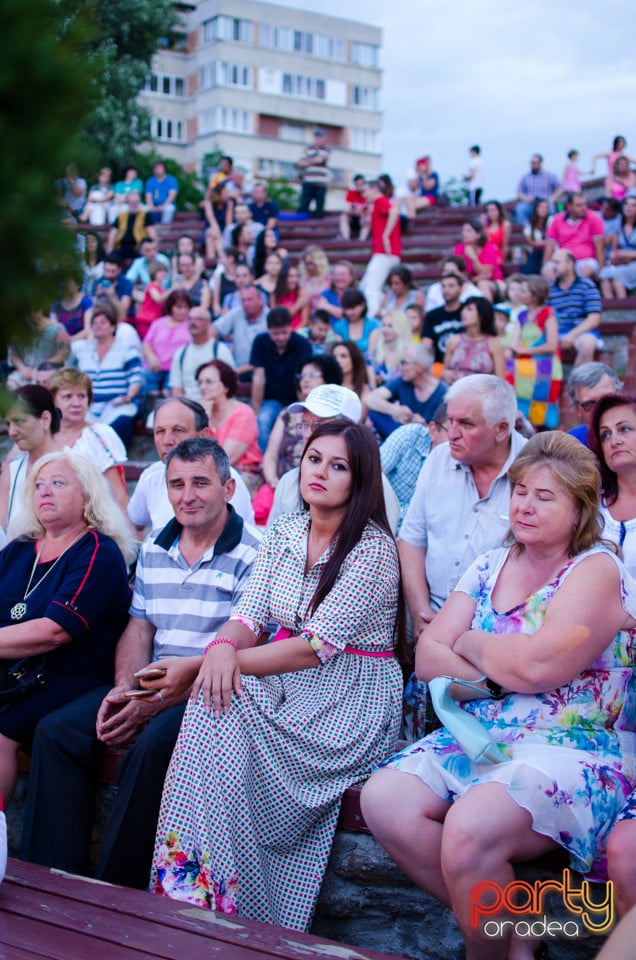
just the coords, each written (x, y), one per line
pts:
(18, 610)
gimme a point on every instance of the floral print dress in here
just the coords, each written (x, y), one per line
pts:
(251, 799)
(571, 750)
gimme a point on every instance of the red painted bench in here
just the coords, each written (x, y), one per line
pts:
(49, 914)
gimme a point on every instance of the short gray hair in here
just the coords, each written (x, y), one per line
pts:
(423, 355)
(590, 375)
(198, 448)
(498, 399)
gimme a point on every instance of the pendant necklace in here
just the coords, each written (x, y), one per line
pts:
(18, 610)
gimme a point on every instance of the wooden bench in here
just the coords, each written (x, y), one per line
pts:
(50, 914)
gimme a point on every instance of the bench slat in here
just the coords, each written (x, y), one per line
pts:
(37, 904)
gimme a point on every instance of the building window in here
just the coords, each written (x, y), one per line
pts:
(322, 46)
(165, 85)
(206, 75)
(364, 55)
(308, 88)
(299, 41)
(366, 97)
(339, 49)
(226, 118)
(167, 130)
(226, 28)
(303, 42)
(297, 132)
(367, 141)
(233, 75)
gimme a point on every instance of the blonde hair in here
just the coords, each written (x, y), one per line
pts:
(402, 328)
(101, 512)
(575, 468)
(319, 257)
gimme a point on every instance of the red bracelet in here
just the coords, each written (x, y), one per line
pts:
(216, 640)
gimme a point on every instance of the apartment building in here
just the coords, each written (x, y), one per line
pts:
(254, 79)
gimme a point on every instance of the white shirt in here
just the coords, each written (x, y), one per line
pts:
(623, 534)
(125, 333)
(149, 503)
(187, 360)
(448, 517)
(287, 499)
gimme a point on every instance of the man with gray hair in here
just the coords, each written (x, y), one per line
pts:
(176, 419)
(326, 402)
(587, 384)
(460, 504)
(411, 397)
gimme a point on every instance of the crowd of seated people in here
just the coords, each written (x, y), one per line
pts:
(281, 385)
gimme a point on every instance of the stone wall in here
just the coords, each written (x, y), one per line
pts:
(367, 901)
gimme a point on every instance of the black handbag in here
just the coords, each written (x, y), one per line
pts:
(19, 678)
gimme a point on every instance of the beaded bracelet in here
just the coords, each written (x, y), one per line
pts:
(216, 640)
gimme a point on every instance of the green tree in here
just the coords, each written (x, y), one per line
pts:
(126, 34)
(45, 91)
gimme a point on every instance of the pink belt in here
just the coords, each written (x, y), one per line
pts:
(369, 653)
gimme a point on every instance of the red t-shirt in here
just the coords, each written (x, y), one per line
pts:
(379, 217)
(353, 196)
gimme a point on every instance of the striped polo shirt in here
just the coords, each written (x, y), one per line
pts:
(112, 376)
(187, 604)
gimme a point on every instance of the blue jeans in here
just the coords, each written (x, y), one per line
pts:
(266, 417)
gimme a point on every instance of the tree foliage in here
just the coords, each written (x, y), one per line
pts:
(46, 88)
(126, 34)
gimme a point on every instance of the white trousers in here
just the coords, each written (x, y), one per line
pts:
(372, 283)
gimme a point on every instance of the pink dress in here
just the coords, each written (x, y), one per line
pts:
(241, 425)
(472, 356)
(149, 311)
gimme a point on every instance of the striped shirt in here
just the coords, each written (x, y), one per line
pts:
(574, 303)
(113, 376)
(187, 604)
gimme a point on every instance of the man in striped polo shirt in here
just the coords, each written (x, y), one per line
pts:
(315, 174)
(577, 304)
(190, 575)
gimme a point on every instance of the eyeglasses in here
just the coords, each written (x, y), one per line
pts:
(440, 425)
(309, 376)
(586, 405)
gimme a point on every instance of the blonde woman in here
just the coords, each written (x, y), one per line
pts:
(388, 344)
(64, 596)
(315, 273)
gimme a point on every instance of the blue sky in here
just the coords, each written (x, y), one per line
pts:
(545, 76)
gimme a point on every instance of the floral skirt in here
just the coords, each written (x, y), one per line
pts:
(572, 795)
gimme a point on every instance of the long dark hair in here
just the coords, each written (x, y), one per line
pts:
(359, 372)
(609, 479)
(485, 314)
(366, 504)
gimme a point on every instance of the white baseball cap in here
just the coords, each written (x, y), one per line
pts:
(330, 400)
